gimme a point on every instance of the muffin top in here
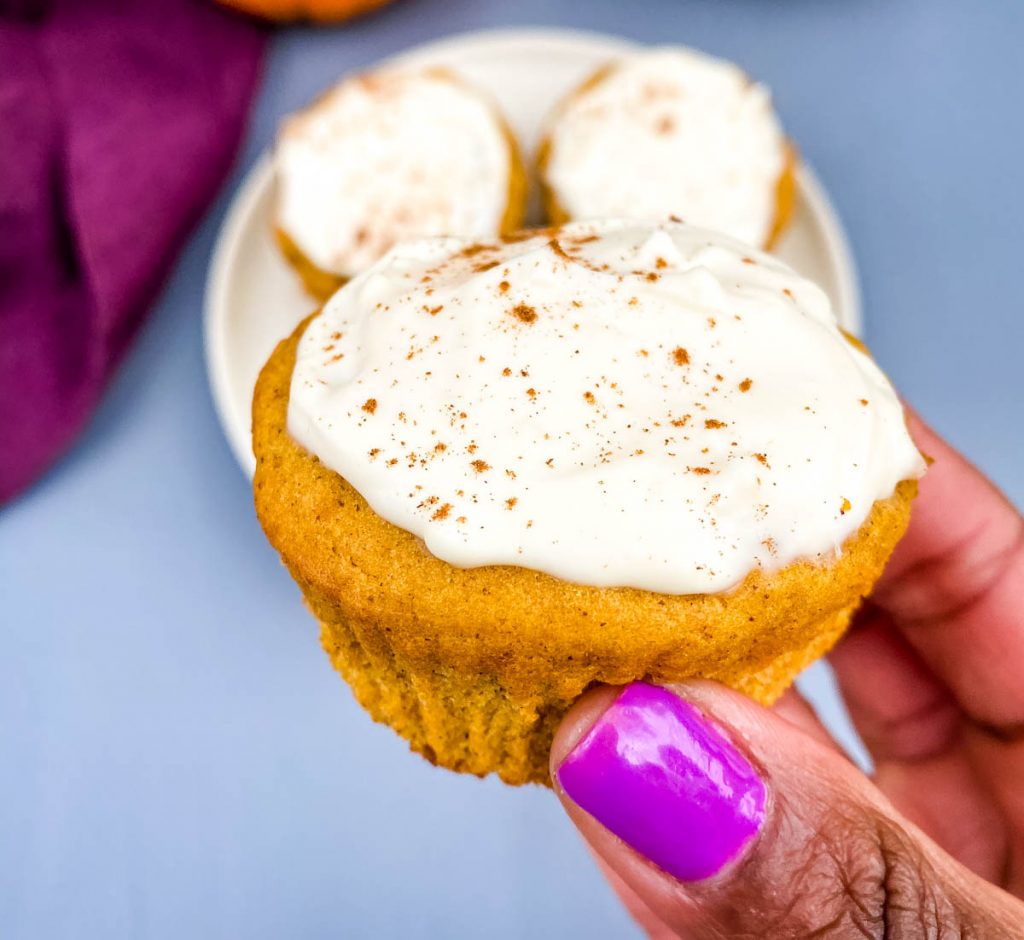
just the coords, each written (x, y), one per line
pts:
(616, 404)
(389, 155)
(670, 131)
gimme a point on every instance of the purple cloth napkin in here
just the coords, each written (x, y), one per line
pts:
(118, 123)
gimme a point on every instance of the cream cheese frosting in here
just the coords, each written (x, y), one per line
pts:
(670, 131)
(386, 156)
(614, 403)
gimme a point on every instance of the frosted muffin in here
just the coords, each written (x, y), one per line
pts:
(386, 156)
(504, 472)
(671, 132)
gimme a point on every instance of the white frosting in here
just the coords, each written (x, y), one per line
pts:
(668, 132)
(388, 156)
(657, 406)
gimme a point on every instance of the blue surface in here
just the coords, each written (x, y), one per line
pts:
(177, 758)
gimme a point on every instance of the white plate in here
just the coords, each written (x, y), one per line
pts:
(253, 299)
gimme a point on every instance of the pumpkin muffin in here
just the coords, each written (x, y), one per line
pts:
(317, 11)
(503, 472)
(386, 156)
(671, 132)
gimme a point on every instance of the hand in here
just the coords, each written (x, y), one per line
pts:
(714, 817)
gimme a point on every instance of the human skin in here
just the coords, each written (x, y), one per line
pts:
(932, 845)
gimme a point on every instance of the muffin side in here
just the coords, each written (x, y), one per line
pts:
(786, 197)
(472, 724)
(318, 283)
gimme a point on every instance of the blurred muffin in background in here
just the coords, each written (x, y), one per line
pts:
(670, 132)
(386, 156)
(325, 11)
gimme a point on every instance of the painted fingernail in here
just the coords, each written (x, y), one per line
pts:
(654, 771)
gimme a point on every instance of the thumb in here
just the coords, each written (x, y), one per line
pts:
(727, 820)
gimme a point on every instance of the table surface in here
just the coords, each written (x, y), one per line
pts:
(177, 759)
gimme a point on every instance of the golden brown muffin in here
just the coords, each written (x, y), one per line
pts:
(326, 11)
(410, 208)
(544, 419)
(476, 667)
(626, 182)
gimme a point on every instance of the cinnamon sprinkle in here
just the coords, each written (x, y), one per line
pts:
(471, 251)
(557, 248)
(524, 313)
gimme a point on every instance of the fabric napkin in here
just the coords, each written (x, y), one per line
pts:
(118, 123)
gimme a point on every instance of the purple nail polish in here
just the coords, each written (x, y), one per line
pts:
(661, 777)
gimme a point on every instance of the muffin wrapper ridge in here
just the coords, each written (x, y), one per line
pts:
(476, 724)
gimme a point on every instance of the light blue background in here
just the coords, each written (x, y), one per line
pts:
(177, 758)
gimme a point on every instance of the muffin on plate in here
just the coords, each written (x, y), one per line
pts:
(671, 132)
(390, 155)
(502, 472)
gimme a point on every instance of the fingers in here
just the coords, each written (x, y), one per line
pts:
(955, 585)
(902, 712)
(943, 638)
(725, 819)
(1002, 765)
(652, 925)
(914, 730)
(795, 709)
